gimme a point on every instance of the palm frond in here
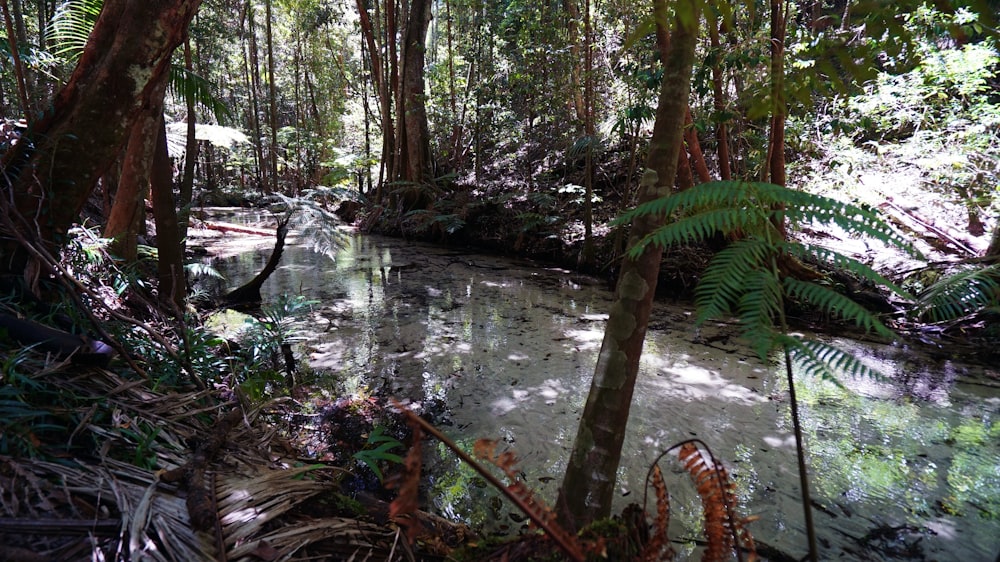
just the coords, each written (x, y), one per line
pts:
(71, 25)
(184, 83)
(836, 304)
(960, 294)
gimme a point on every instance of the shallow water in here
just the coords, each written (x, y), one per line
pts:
(905, 468)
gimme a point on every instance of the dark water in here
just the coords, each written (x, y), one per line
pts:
(905, 468)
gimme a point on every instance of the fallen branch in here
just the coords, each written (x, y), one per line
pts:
(226, 227)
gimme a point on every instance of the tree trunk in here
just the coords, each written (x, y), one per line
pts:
(190, 152)
(56, 168)
(718, 100)
(272, 96)
(169, 247)
(129, 203)
(776, 142)
(414, 117)
(589, 482)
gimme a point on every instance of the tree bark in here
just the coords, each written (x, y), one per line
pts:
(169, 247)
(589, 482)
(190, 152)
(54, 171)
(414, 114)
(718, 100)
(129, 203)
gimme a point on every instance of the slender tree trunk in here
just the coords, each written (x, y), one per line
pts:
(272, 95)
(572, 17)
(190, 152)
(589, 130)
(19, 74)
(719, 100)
(251, 66)
(170, 262)
(128, 53)
(776, 144)
(589, 482)
(697, 157)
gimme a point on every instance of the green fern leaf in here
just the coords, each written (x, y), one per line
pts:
(960, 294)
(836, 304)
(825, 361)
(721, 286)
(758, 308)
(842, 262)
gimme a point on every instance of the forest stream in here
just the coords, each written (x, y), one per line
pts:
(905, 468)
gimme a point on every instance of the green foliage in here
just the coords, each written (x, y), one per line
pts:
(746, 279)
(966, 292)
(71, 25)
(22, 414)
(377, 450)
(262, 338)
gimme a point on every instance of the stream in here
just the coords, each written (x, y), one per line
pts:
(902, 468)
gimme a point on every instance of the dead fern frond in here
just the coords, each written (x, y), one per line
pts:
(403, 508)
(658, 547)
(725, 533)
(517, 492)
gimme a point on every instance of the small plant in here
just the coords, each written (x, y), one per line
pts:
(381, 445)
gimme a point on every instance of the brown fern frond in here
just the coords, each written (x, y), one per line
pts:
(523, 497)
(517, 492)
(403, 508)
(658, 547)
(724, 531)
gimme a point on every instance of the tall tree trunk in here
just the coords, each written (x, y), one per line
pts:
(588, 130)
(572, 17)
(779, 109)
(170, 262)
(127, 54)
(414, 115)
(272, 96)
(589, 482)
(719, 100)
(251, 68)
(190, 152)
(19, 74)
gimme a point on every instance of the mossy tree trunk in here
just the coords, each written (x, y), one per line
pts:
(589, 482)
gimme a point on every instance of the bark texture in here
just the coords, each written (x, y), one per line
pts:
(53, 172)
(589, 483)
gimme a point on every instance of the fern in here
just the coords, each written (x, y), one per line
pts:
(959, 295)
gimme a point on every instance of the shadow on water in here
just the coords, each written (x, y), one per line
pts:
(903, 468)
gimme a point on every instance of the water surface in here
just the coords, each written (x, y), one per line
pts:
(905, 468)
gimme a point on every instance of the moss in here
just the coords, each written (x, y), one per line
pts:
(348, 506)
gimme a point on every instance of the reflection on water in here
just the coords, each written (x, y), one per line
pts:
(902, 468)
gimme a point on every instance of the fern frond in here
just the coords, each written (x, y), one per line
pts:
(802, 207)
(721, 286)
(836, 304)
(960, 294)
(658, 547)
(825, 361)
(183, 82)
(758, 308)
(842, 262)
(701, 226)
(70, 27)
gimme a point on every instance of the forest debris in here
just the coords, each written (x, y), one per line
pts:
(200, 502)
